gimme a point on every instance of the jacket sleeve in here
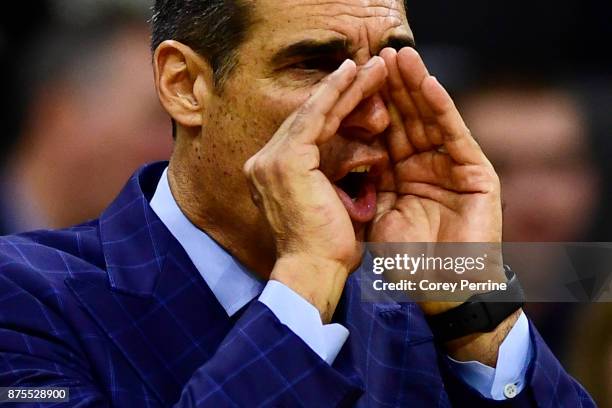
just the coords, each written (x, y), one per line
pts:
(548, 384)
(37, 348)
(257, 347)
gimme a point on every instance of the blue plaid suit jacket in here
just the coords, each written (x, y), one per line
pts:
(115, 310)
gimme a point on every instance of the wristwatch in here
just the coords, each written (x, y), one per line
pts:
(481, 313)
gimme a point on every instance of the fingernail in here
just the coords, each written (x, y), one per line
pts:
(371, 62)
(345, 65)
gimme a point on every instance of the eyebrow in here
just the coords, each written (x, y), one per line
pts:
(336, 47)
(312, 48)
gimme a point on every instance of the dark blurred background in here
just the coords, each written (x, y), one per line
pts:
(532, 78)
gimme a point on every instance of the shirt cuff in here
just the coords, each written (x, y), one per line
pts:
(508, 379)
(303, 319)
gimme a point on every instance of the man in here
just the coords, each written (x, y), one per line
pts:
(197, 287)
(507, 118)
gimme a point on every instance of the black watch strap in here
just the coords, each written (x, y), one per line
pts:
(481, 313)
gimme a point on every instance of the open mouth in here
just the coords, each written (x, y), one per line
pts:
(353, 182)
(357, 191)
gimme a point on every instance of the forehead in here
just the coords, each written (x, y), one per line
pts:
(363, 24)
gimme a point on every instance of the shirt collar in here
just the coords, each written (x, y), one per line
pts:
(231, 283)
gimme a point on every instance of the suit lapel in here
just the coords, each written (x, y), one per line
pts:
(158, 310)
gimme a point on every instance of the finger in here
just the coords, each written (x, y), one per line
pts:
(434, 134)
(440, 170)
(417, 135)
(320, 116)
(429, 167)
(397, 142)
(307, 121)
(400, 95)
(412, 68)
(458, 140)
(413, 72)
(328, 94)
(438, 110)
(369, 80)
(397, 89)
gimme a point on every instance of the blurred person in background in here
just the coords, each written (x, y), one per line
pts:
(544, 143)
(537, 139)
(91, 102)
(590, 357)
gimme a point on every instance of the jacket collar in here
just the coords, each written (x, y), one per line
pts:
(134, 240)
(157, 301)
(231, 282)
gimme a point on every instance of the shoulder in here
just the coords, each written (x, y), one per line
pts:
(41, 322)
(45, 258)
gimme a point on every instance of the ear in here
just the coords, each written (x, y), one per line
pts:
(184, 82)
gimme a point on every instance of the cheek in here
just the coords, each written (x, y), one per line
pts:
(251, 111)
(277, 104)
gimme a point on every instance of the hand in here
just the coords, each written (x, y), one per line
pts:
(441, 187)
(315, 240)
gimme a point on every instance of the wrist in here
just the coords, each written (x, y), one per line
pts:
(482, 347)
(318, 281)
(494, 273)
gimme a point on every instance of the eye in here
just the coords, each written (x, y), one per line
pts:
(318, 64)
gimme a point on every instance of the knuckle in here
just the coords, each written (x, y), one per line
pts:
(256, 167)
(247, 168)
(328, 82)
(306, 108)
(259, 169)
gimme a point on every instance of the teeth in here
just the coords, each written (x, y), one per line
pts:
(361, 169)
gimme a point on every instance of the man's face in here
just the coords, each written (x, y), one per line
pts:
(291, 47)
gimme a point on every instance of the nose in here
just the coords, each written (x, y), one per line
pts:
(368, 121)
